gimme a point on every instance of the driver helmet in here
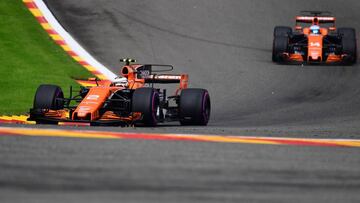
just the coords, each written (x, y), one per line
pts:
(120, 82)
(315, 29)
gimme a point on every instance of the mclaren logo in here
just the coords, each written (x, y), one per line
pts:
(168, 77)
(315, 44)
(93, 97)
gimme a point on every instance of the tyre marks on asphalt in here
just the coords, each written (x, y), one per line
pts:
(6, 131)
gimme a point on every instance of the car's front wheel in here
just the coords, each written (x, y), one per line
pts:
(49, 97)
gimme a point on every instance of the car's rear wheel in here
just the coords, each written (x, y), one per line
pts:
(48, 97)
(146, 101)
(348, 41)
(194, 107)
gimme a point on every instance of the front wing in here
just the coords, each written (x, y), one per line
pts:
(109, 118)
(299, 59)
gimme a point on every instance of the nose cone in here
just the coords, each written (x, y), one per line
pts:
(314, 55)
(315, 44)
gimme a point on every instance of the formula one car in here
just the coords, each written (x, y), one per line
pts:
(315, 40)
(129, 100)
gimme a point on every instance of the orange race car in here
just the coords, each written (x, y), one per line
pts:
(315, 40)
(129, 100)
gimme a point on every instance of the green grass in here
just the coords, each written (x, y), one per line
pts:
(28, 58)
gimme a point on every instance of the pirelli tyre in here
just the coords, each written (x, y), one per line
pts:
(282, 31)
(146, 101)
(348, 42)
(48, 97)
(194, 107)
(280, 46)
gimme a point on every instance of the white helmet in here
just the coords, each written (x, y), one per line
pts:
(120, 82)
(315, 29)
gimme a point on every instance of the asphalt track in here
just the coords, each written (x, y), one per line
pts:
(225, 46)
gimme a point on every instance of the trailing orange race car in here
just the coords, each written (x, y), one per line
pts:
(129, 100)
(315, 40)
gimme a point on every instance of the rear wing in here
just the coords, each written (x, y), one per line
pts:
(164, 78)
(140, 74)
(312, 19)
(315, 18)
(151, 75)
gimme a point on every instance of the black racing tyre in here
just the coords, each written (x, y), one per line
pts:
(348, 42)
(146, 101)
(282, 31)
(47, 97)
(280, 46)
(194, 107)
(348, 33)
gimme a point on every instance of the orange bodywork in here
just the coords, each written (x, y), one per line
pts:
(315, 49)
(315, 46)
(315, 41)
(89, 107)
(111, 102)
(130, 72)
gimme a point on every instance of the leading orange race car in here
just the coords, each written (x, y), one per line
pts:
(315, 40)
(131, 99)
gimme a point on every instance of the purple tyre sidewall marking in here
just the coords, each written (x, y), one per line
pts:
(153, 108)
(204, 113)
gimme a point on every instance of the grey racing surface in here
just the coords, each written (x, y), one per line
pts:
(225, 46)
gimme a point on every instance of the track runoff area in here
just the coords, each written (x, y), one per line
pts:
(92, 134)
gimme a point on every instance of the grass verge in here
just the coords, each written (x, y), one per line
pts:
(28, 58)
